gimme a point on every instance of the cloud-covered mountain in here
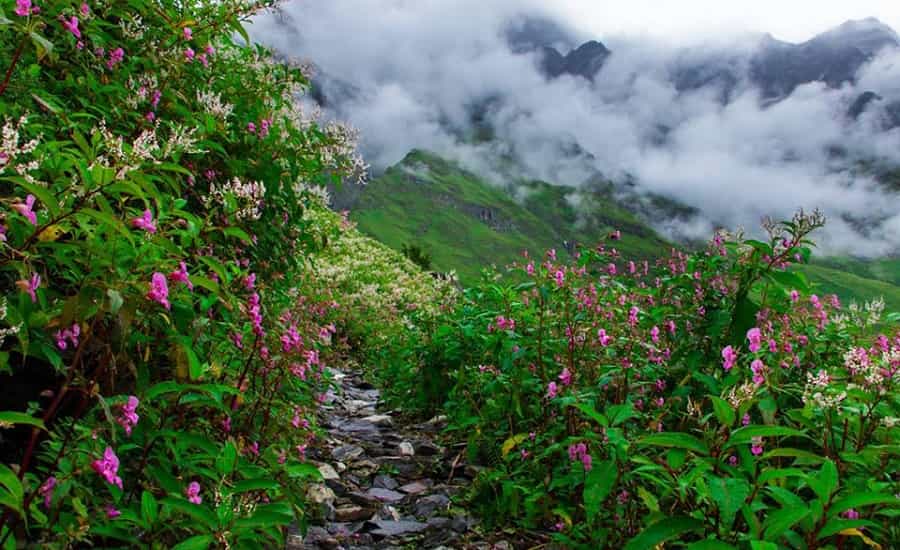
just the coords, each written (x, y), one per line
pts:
(738, 127)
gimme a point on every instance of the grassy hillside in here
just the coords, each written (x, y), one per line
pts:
(464, 223)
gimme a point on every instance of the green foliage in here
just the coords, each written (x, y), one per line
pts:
(172, 280)
(710, 401)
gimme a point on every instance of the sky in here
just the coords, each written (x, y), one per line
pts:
(789, 20)
(407, 73)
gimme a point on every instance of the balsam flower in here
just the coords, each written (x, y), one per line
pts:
(729, 357)
(108, 467)
(145, 222)
(30, 286)
(71, 25)
(46, 491)
(192, 492)
(23, 8)
(754, 336)
(27, 209)
(180, 275)
(128, 418)
(159, 290)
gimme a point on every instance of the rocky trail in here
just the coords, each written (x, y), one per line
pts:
(387, 484)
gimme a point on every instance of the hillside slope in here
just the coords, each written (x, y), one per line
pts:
(465, 223)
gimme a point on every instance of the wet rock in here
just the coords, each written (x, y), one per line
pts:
(328, 472)
(406, 449)
(385, 528)
(385, 482)
(352, 512)
(358, 427)
(427, 448)
(385, 495)
(364, 468)
(428, 505)
(382, 420)
(320, 537)
(438, 522)
(322, 498)
(460, 524)
(415, 487)
(347, 452)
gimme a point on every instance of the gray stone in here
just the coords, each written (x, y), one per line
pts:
(379, 420)
(415, 488)
(406, 449)
(351, 512)
(428, 505)
(386, 528)
(385, 482)
(347, 452)
(322, 499)
(328, 472)
(385, 495)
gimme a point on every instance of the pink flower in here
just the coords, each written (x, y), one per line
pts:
(67, 335)
(180, 275)
(755, 338)
(150, 116)
(758, 369)
(604, 338)
(85, 10)
(756, 446)
(129, 418)
(551, 390)
(154, 100)
(530, 268)
(46, 491)
(615, 235)
(159, 290)
(115, 57)
(72, 26)
(30, 286)
(188, 34)
(26, 209)
(111, 512)
(795, 296)
(193, 493)
(250, 281)
(745, 421)
(560, 278)
(226, 424)
(23, 8)
(729, 356)
(565, 377)
(654, 335)
(145, 222)
(108, 467)
(851, 514)
(188, 54)
(210, 50)
(203, 60)
(251, 127)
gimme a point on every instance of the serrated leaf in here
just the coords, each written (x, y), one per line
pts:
(597, 486)
(663, 530)
(729, 495)
(149, 508)
(781, 520)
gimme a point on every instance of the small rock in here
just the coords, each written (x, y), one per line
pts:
(406, 449)
(322, 498)
(385, 495)
(385, 482)
(364, 468)
(428, 505)
(351, 512)
(379, 420)
(438, 522)
(502, 545)
(414, 488)
(459, 524)
(386, 528)
(427, 448)
(347, 452)
(328, 472)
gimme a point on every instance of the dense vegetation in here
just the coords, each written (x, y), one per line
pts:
(173, 285)
(174, 289)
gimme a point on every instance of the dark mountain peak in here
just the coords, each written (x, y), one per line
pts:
(868, 35)
(528, 33)
(584, 61)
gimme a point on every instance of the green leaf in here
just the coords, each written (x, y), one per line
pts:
(620, 413)
(724, 411)
(675, 439)
(4, 20)
(267, 515)
(227, 459)
(197, 542)
(747, 433)
(826, 482)
(10, 481)
(107, 220)
(663, 530)
(304, 470)
(149, 508)
(780, 521)
(43, 46)
(196, 511)
(860, 500)
(247, 485)
(239, 233)
(47, 199)
(592, 413)
(12, 417)
(710, 545)
(729, 495)
(597, 486)
(195, 367)
(115, 300)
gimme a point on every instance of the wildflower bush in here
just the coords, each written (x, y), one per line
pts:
(712, 399)
(167, 295)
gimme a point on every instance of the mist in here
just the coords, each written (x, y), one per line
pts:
(409, 73)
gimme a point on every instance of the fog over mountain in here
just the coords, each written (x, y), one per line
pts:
(737, 126)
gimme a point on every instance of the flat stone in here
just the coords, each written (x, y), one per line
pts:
(379, 420)
(428, 505)
(347, 452)
(357, 427)
(406, 449)
(385, 482)
(427, 448)
(414, 488)
(352, 512)
(364, 468)
(387, 528)
(385, 495)
(328, 472)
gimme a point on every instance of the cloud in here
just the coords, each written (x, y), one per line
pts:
(418, 69)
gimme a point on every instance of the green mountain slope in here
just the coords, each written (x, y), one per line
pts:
(465, 223)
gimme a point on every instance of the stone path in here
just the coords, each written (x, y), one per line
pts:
(386, 485)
